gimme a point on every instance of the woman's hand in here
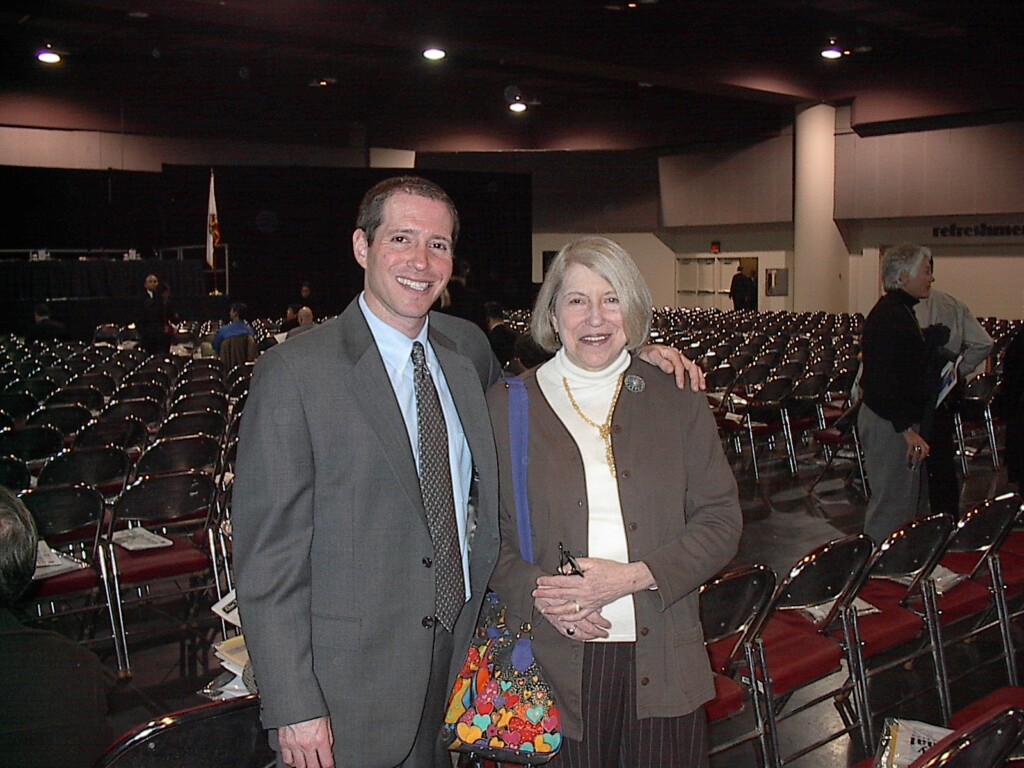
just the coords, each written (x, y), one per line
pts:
(575, 600)
(573, 624)
(671, 360)
(917, 448)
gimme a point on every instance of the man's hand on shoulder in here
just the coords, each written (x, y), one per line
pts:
(307, 744)
(671, 360)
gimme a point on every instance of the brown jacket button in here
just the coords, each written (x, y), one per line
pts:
(644, 631)
(644, 681)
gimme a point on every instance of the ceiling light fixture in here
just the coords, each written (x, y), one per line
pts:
(48, 56)
(434, 54)
(516, 100)
(833, 50)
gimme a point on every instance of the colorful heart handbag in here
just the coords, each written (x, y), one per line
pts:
(501, 707)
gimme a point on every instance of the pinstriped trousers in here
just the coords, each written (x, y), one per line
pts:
(613, 736)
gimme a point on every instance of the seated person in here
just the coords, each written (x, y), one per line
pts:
(291, 318)
(305, 316)
(54, 695)
(237, 327)
(45, 328)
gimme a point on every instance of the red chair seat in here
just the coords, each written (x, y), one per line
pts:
(965, 599)
(996, 701)
(797, 657)
(1014, 544)
(729, 699)
(893, 625)
(1012, 567)
(141, 566)
(73, 582)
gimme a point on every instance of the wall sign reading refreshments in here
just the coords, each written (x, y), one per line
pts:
(978, 230)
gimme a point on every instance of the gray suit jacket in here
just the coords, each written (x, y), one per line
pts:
(330, 536)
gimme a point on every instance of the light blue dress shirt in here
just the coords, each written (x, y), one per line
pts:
(395, 349)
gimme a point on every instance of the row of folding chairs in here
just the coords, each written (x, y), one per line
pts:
(931, 585)
(112, 572)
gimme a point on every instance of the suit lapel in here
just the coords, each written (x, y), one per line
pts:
(372, 391)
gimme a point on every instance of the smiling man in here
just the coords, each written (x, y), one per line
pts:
(335, 557)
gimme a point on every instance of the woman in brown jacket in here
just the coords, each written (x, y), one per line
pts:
(627, 473)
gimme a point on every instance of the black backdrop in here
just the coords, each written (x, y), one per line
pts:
(282, 225)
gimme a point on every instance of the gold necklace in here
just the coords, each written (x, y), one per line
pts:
(605, 430)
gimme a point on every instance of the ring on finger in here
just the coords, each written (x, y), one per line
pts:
(570, 631)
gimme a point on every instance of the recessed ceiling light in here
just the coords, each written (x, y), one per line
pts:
(517, 106)
(48, 56)
(833, 50)
(323, 82)
(434, 54)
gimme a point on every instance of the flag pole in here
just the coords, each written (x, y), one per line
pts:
(212, 235)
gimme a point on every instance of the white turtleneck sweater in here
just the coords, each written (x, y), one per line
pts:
(606, 537)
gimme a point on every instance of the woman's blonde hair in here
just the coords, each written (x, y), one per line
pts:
(609, 260)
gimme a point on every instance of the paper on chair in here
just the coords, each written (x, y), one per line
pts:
(232, 653)
(50, 563)
(139, 538)
(227, 609)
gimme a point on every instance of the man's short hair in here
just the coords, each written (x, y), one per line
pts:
(240, 309)
(42, 310)
(371, 209)
(305, 315)
(494, 310)
(18, 539)
(905, 257)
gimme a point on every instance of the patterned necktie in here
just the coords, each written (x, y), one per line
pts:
(436, 488)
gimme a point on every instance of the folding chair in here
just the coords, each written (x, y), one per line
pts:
(764, 417)
(33, 444)
(731, 607)
(144, 375)
(18, 405)
(985, 741)
(793, 647)
(975, 415)
(198, 384)
(39, 386)
(842, 432)
(208, 400)
(133, 390)
(67, 418)
(177, 454)
(150, 411)
(106, 469)
(221, 734)
(978, 602)
(212, 423)
(889, 637)
(70, 519)
(104, 382)
(126, 432)
(14, 473)
(182, 508)
(78, 394)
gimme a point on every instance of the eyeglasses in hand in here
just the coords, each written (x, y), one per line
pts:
(567, 565)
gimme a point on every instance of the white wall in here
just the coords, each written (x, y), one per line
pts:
(92, 150)
(655, 260)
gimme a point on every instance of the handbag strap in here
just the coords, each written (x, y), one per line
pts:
(519, 431)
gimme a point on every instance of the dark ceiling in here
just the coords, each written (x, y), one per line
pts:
(601, 75)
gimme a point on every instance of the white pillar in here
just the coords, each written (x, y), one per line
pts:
(820, 258)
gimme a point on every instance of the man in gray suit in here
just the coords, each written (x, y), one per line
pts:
(335, 566)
